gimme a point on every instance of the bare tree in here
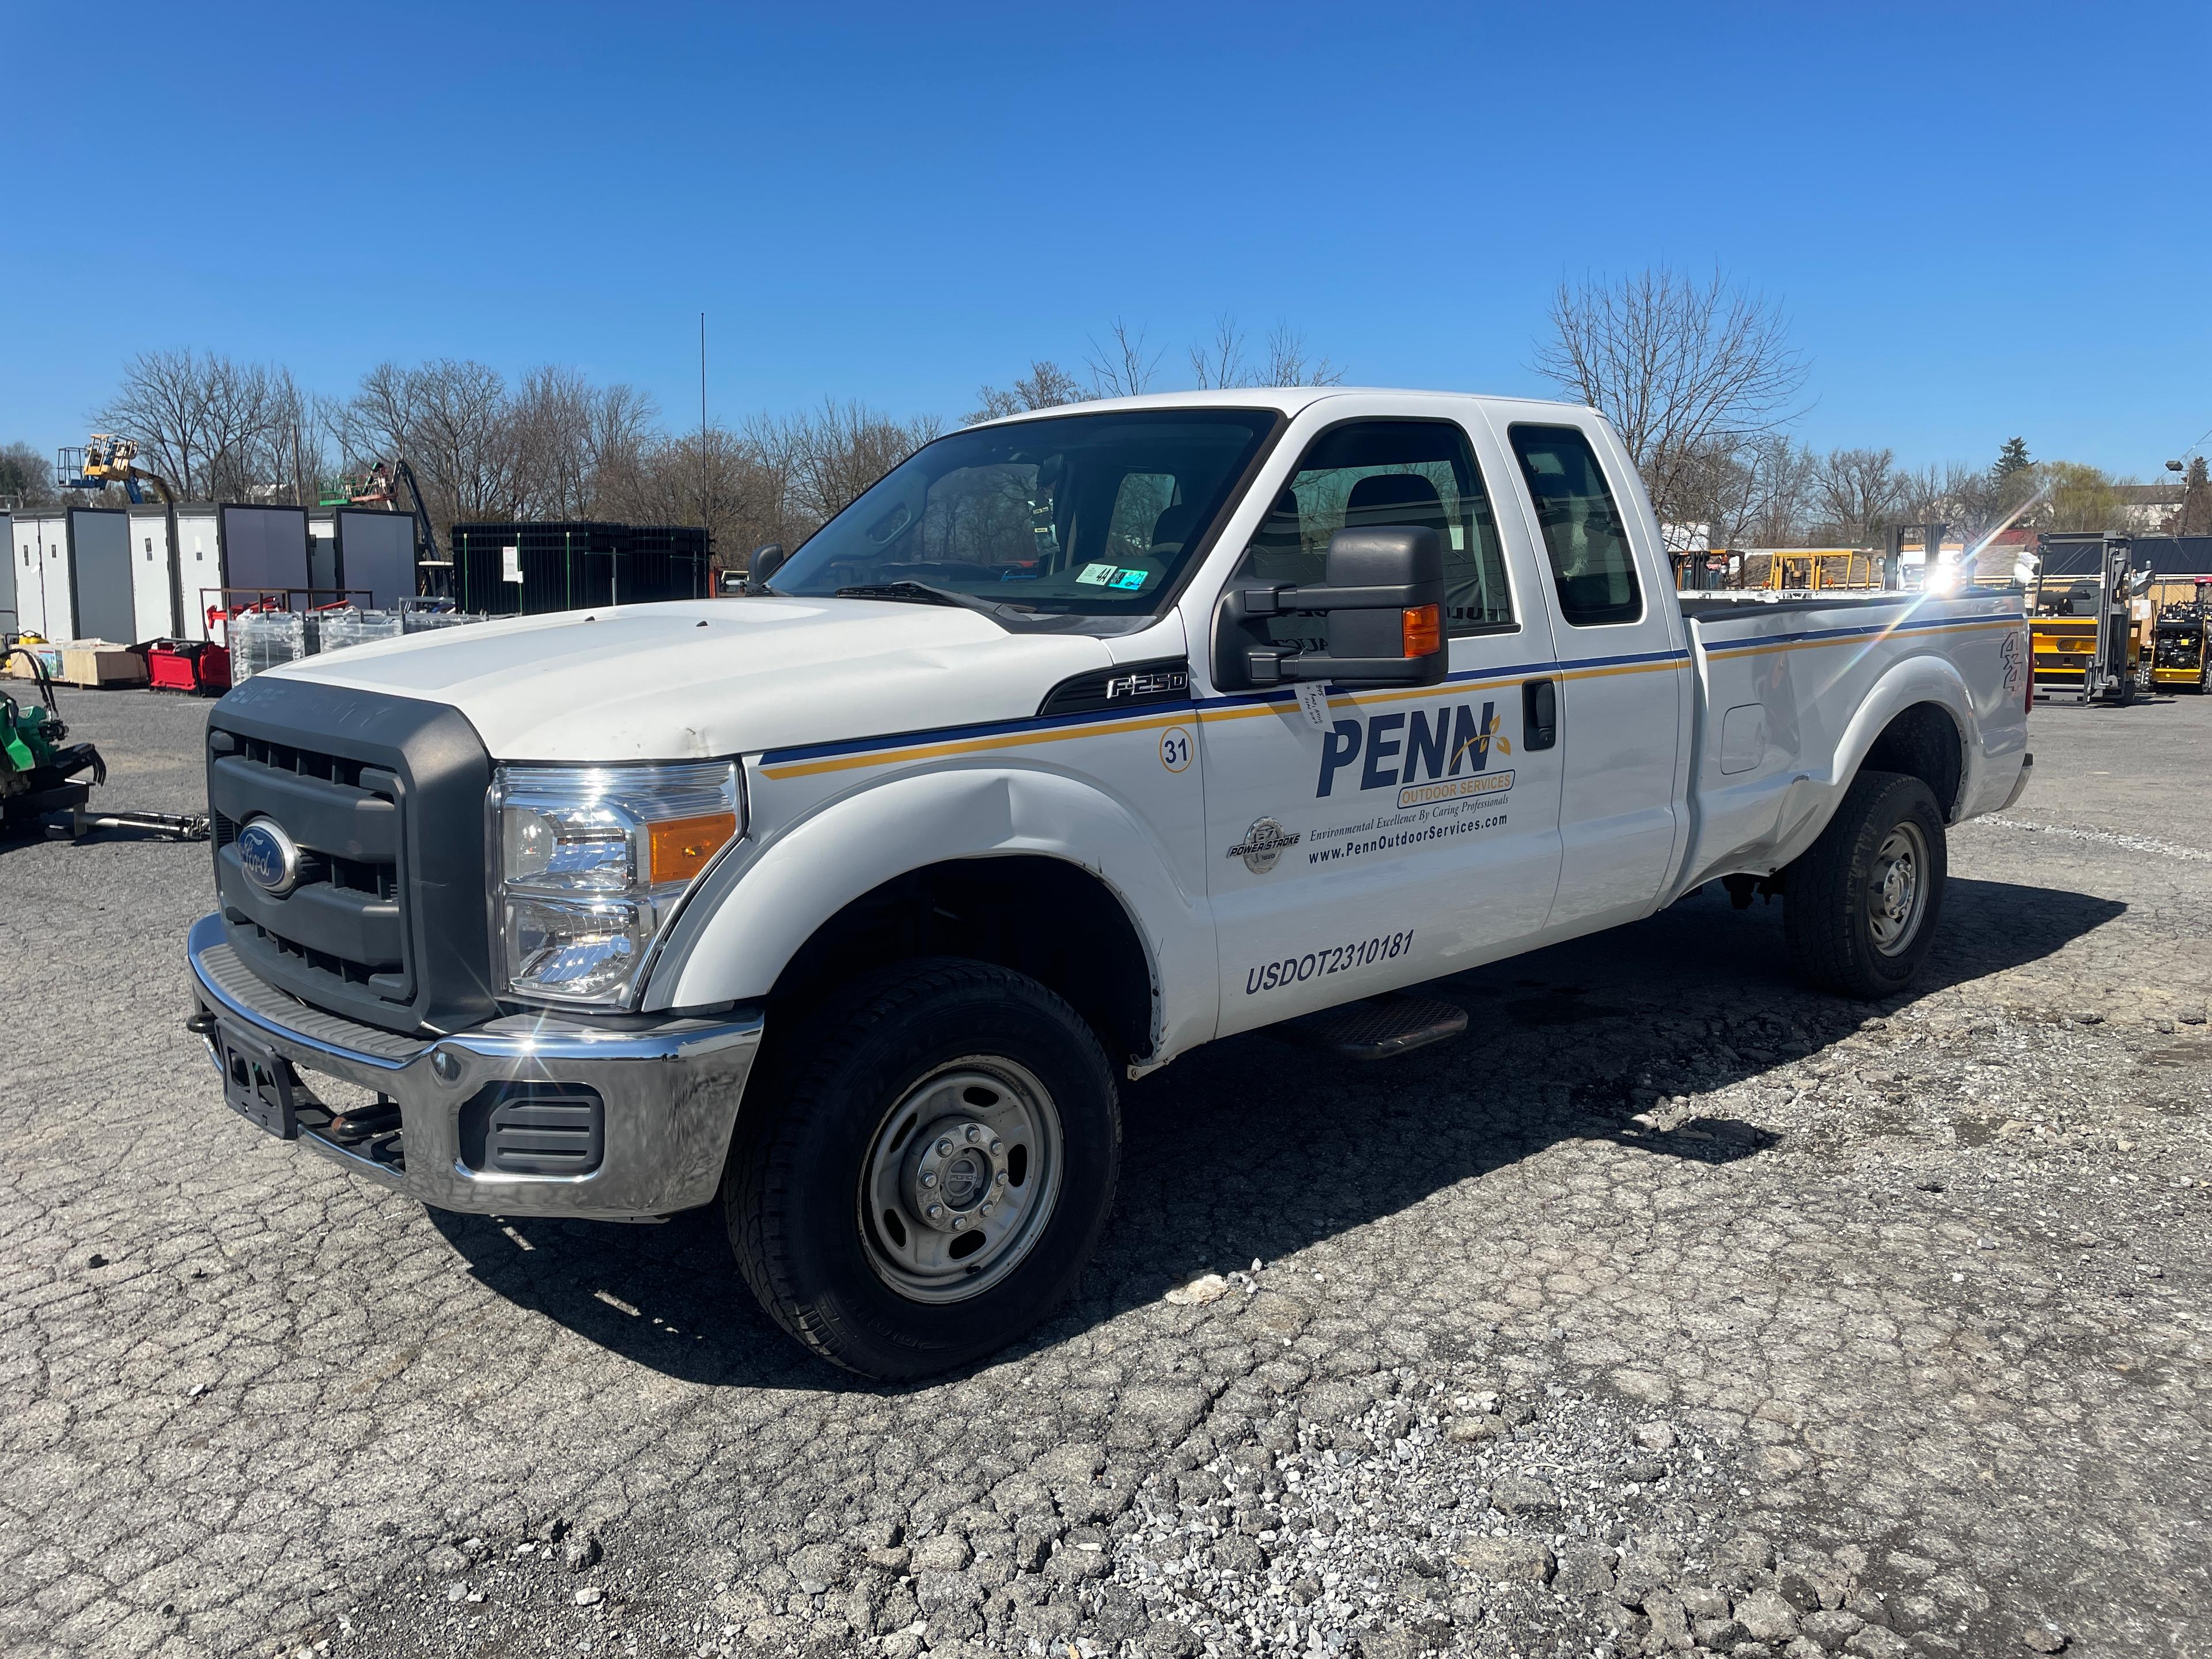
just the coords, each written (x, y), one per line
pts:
(26, 477)
(829, 457)
(205, 424)
(1289, 363)
(551, 420)
(453, 421)
(1923, 497)
(1047, 386)
(716, 477)
(1860, 491)
(1119, 367)
(1758, 492)
(1677, 366)
(1219, 363)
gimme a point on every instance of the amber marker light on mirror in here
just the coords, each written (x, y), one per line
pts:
(1423, 627)
(680, 849)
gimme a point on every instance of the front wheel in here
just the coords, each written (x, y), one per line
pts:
(929, 1169)
(1861, 903)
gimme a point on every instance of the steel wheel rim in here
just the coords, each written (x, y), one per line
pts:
(979, 1138)
(1897, 890)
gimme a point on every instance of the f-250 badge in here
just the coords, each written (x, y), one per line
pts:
(1263, 846)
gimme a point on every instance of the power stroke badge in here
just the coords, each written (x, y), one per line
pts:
(1263, 846)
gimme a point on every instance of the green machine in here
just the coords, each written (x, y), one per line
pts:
(38, 762)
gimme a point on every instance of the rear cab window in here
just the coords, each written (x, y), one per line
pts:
(1585, 534)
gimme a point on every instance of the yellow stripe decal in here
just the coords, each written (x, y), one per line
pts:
(1754, 648)
(897, 755)
(972, 745)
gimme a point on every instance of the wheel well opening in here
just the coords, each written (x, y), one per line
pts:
(1046, 918)
(1923, 741)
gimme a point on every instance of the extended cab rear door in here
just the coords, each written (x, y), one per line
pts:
(1624, 671)
(1414, 831)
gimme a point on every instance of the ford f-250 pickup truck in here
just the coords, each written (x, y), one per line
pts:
(1078, 740)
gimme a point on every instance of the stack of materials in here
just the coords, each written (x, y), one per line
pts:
(351, 625)
(263, 639)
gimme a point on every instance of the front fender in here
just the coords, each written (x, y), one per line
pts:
(761, 906)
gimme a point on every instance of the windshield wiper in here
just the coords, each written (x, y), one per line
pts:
(922, 593)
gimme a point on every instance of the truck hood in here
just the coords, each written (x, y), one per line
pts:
(716, 676)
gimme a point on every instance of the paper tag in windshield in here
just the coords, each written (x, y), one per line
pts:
(1315, 702)
(1097, 575)
(1131, 580)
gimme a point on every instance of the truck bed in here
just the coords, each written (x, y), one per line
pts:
(1793, 688)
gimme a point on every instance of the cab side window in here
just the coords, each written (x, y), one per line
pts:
(1367, 474)
(1583, 531)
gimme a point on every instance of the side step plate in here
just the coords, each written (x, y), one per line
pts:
(1380, 1028)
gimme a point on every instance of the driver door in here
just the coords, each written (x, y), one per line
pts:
(1412, 832)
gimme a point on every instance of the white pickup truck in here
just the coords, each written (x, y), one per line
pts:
(1080, 739)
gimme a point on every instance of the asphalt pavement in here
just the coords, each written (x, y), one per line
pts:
(1673, 1308)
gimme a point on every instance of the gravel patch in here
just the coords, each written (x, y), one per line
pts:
(1671, 1309)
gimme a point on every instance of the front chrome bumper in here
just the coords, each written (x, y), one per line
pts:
(671, 1092)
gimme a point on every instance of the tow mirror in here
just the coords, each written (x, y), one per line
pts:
(767, 560)
(1382, 596)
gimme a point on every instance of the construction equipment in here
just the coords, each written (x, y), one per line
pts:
(379, 487)
(38, 764)
(2183, 610)
(2082, 629)
(1817, 569)
(108, 459)
(40, 768)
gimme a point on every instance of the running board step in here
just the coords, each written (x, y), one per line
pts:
(1380, 1028)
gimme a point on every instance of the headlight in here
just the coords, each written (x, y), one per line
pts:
(591, 862)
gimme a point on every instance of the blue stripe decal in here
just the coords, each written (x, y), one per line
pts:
(984, 729)
(1502, 672)
(1042, 723)
(1925, 623)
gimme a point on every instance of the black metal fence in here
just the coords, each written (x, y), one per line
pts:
(524, 570)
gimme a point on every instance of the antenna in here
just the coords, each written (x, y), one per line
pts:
(703, 423)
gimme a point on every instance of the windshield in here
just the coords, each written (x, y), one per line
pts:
(1090, 514)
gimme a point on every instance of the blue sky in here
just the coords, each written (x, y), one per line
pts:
(1982, 221)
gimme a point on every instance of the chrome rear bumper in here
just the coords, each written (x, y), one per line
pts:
(670, 1091)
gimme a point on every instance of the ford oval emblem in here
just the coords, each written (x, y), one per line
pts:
(269, 858)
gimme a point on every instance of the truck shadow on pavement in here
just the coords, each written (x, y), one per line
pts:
(1254, 1149)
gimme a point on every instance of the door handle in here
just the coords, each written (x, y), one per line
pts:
(1540, 713)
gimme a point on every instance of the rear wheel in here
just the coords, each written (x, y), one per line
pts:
(929, 1168)
(1863, 901)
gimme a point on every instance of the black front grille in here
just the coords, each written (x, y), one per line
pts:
(385, 798)
(345, 918)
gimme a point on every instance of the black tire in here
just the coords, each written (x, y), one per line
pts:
(2124, 694)
(818, 1256)
(1839, 921)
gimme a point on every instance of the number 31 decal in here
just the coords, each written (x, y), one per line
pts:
(1175, 749)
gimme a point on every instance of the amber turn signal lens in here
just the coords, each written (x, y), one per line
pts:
(1424, 629)
(681, 846)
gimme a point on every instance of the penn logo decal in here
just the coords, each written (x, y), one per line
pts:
(1431, 754)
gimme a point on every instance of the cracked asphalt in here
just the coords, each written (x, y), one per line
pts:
(1673, 1308)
